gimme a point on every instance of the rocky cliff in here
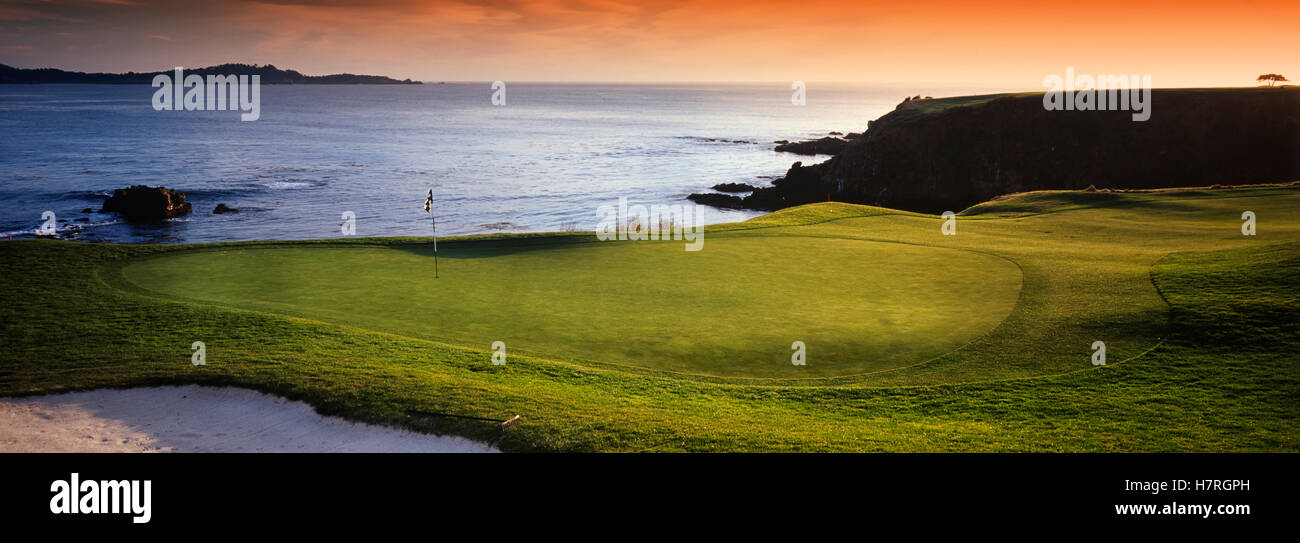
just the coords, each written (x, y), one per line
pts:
(934, 155)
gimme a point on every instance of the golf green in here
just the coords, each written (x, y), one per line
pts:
(1197, 315)
(733, 309)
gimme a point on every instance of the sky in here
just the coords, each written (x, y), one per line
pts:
(1007, 43)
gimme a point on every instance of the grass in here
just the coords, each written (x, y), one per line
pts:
(653, 305)
(1198, 322)
(931, 106)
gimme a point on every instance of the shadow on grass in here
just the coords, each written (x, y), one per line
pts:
(484, 248)
(1054, 201)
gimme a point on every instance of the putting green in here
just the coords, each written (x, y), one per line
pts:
(730, 310)
(1197, 321)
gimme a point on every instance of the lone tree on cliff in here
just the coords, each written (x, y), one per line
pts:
(1272, 78)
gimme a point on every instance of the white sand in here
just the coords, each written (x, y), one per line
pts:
(196, 419)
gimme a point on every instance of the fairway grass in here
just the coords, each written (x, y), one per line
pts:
(916, 341)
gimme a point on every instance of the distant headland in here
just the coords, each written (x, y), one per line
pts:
(270, 75)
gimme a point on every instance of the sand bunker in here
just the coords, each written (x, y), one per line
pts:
(196, 419)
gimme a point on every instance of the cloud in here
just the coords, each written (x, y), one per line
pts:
(872, 40)
(16, 13)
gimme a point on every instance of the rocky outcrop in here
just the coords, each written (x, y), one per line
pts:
(822, 146)
(801, 185)
(951, 153)
(734, 187)
(223, 208)
(723, 201)
(140, 203)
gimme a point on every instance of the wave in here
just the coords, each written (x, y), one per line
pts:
(289, 184)
(701, 139)
(64, 231)
(84, 195)
(235, 191)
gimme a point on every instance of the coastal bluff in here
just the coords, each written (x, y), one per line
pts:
(946, 154)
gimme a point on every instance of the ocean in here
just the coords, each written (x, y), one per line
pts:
(545, 161)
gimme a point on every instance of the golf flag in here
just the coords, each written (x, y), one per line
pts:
(428, 208)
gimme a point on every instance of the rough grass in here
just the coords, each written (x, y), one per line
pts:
(1198, 320)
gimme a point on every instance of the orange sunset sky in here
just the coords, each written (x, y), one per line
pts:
(1010, 43)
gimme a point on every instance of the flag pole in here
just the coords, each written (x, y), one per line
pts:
(434, 221)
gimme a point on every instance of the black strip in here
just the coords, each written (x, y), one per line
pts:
(920, 494)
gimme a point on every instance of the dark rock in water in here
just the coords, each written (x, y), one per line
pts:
(821, 146)
(782, 142)
(725, 201)
(833, 133)
(223, 208)
(734, 187)
(147, 204)
(83, 219)
(88, 210)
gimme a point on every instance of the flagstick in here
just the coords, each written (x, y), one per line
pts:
(434, 220)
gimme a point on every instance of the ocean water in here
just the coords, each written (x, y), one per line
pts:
(543, 162)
